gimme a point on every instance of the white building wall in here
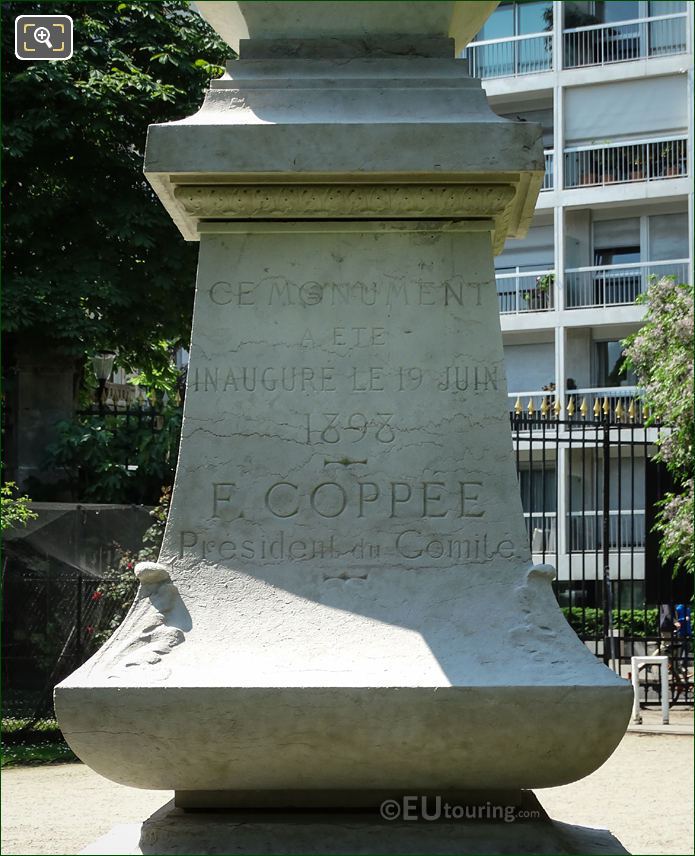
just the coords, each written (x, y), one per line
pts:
(626, 109)
(639, 102)
(529, 367)
(578, 356)
(534, 252)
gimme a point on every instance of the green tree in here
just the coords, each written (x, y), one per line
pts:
(14, 509)
(91, 259)
(661, 354)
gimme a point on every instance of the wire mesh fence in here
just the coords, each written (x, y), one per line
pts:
(56, 623)
(66, 586)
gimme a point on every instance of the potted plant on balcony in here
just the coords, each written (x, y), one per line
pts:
(589, 169)
(637, 169)
(671, 159)
(538, 297)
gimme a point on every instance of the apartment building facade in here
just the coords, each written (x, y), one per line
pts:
(611, 84)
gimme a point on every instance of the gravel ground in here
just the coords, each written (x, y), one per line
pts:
(643, 794)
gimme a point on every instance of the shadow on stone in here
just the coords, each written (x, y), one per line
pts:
(264, 831)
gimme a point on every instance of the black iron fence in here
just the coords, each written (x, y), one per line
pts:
(116, 454)
(589, 491)
(52, 624)
(66, 586)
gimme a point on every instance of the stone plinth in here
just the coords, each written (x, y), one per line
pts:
(173, 831)
(378, 21)
(345, 606)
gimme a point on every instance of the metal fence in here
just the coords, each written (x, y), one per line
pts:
(620, 163)
(602, 44)
(511, 56)
(549, 174)
(51, 625)
(589, 490)
(66, 585)
(122, 421)
(525, 291)
(615, 285)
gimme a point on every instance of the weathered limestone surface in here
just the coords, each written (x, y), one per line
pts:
(255, 21)
(345, 606)
(170, 830)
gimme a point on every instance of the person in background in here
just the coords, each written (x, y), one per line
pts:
(667, 625)
(683, 630)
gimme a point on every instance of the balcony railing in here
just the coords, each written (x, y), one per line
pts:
(626, 530)
(549, 177)
(625, 40)
(511, 56)
(616, 403)
(530, 291)
(595, 404)
(618, 163)
(532, 402)
(541, 528)
(615, 285)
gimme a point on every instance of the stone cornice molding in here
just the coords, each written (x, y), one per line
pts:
(428, 201)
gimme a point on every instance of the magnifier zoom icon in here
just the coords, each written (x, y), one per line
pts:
(43, 36)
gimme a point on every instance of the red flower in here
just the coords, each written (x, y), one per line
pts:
(130, 566)
(97, 595)
(89, 629)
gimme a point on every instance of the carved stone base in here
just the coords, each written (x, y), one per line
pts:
(174, 831)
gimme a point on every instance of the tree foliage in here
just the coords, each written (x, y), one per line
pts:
(14, 508)
(661, 354)
(120, 591)
(113, 458)
(92, 260)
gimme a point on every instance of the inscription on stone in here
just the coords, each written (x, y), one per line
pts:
(392, 291)
(231, 379)
(343, 412)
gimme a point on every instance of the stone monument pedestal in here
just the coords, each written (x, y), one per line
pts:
(345, 608)
(333, 832)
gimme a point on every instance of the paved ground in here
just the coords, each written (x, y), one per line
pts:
(643, 794)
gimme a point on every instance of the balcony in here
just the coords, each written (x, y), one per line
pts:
(599, 44)
(642, 38)
(616, 285)
(549, 176)
(510, 57)
(595, 404)
(530, 291)
(617, 403)
(620, 163)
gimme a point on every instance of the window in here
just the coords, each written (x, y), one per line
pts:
(614, 285)
(666, 36)
(539, 499)
(668, 237)
(538, 490)
(500, 25)
(609, 360)
(533, 18)
(616, 256)
(614, 11)
(517, 19)
(522, 56)
(666, 7)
